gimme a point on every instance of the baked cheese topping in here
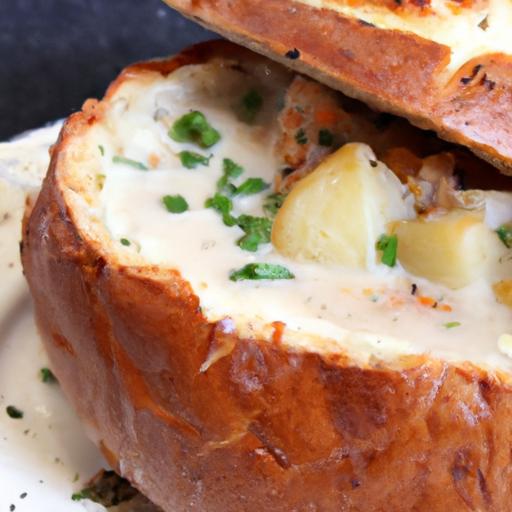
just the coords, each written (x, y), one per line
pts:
(170, 149)
(468, 31)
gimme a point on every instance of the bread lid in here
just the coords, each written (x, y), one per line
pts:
(444, 65)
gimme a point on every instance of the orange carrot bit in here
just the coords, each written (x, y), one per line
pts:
(396, 301)
(292, 119)
(445, 307)
(426, 301)
(277, 335)
(326, 117)
(414, 188)
(153, 160)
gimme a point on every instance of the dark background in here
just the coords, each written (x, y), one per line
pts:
(56, 53)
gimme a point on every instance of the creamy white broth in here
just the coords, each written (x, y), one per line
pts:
(372, 314)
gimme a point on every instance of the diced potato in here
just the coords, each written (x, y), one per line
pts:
(337, 213)
(453, 249)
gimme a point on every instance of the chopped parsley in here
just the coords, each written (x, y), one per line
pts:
(13, 412)
(451, 325)
(250, 106)
(272, 203)
(223, 205)
(47, 376)
(191, 160)
(388, 244)
(84, 494)
(301, 137)
(125, 242)
(505, 234)
(117, 159)
(194, 127)
(251, 186)
(325, 138)
(261, 271)
(102, 150)
(257, 231)
(175, 204)
(230, 171)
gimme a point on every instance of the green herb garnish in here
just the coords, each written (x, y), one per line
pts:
(451, 325)
(13, 412)
(388, 244)
(505, 234)
(223, 205)
(128, 161)
(175, 204)
(194, 127)
(125, 241)
(257, 231)
(191, 160)
(251, 105)
(251, 186)
(230, 171)
(102, 150)
(272, 203)
(47, 376)
(301, 137)
(84, 494)
(260, 271)
(325, 138)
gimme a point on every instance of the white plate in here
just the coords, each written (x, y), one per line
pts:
(45, 456)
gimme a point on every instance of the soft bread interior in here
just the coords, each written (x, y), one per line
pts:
(116, 174)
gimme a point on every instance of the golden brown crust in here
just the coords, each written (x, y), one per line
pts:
(392, 71)
(266, 427)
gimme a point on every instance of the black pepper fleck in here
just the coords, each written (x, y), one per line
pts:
(414, 288)
(23, 495)
(490, 84)
(467, 79)
(365, 23)
(373, 163)
(293, 54)
(12, 507)
(484, 24)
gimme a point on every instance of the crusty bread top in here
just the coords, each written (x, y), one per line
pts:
(444, 65)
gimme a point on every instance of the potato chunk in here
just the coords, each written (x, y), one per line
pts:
(337, 213)
(453, 249)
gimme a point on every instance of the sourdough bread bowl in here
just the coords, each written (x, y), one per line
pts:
(318, 388)
(445, 65)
